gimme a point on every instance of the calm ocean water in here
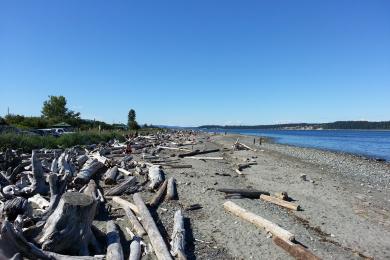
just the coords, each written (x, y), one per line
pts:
(375, 144)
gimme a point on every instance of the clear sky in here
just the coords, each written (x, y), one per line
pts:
(198, 62)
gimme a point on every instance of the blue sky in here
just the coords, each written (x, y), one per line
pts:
(198, 62)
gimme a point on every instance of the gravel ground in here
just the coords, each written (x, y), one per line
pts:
(345, 201)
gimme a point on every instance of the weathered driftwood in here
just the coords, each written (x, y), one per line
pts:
(178, 166)
(282, 195)
(159, 194)
(134, 222)
(178, 242)
(110, 176)
(38, 184)
(124, 171)
(122, 187)
(280, 202)
(125, 204)
(82, 159)
(171, 189)
(156, 176)
(68, 228)
(91, 190)
(57, 188)
(296, 250)
(204, 158)
(88, 170)
(244, 192)
(13, 207)
(159, 246)
(242, 166)
(258, 221)
(174, 148)
(135, 249)
(114, 246)
(39, 201)
(196, 152)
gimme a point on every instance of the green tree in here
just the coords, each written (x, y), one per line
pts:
(55, 108)
(131, 120)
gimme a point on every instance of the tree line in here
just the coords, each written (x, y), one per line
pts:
(55, 110)
(382, 125)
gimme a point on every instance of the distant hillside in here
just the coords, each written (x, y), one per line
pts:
(385, 125)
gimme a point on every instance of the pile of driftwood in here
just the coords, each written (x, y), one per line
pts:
(50, 199)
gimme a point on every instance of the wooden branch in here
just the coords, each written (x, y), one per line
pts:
(114, 246)
(159, 246)
(124, 204)
(171, 189)
(134, 222)
(174, 148)
(159, 194)
(178, 241)
(295, 250)
(258, 221)
(135, 249)
(125, 172)
(254, 194)
(280, 202)
(110, 175)
(122, 187)
(196, 152)
(204, 158)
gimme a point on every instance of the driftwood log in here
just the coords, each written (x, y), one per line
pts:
(280, 202)
(196, 152)
(159, 246)
(88, 170)
(296, 250)
(159, 194)
(156, 176)
(110, 176)
(254, 194)
(135, 249)
(171, 189)
(127, 185)
(114, 246)
(178, 241)
(125, 204)
(134, 222)
(68, 228)
(258, 221)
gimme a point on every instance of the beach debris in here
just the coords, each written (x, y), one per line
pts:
(159, 194)
(178, 241)
(114, 246)
(171, 189)
(205, 158)
(157, 241)
(295, 250)
(258, 221)
(125, 204)
(110, 175)
(247, 193)
(128, 186)
(156, 176)
(282, 195)
(134, 222)
(240, 146)
(303, 177)
(193, 207)
(280, 202)
(135, 248)
(197, 152)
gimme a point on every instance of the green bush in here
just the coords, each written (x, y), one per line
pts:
(30, 142)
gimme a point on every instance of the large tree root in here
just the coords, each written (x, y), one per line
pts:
(68, 229)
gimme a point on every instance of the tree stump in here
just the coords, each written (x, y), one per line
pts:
(68, 228)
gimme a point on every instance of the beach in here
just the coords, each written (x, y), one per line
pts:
(345, 202)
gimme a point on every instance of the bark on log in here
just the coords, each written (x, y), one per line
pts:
(134, 222)
(178, 241)
(258, 221)
(159, 194)
(88, 170)
(110, 176)
(159, 246)
(280, 202)
(68, 228)
(114, 246)
(295, 250)
(135, 249)
(125, 204)
(127, 185)
(196, 152)
(255, 194)
(156, 176)
(171, 189)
